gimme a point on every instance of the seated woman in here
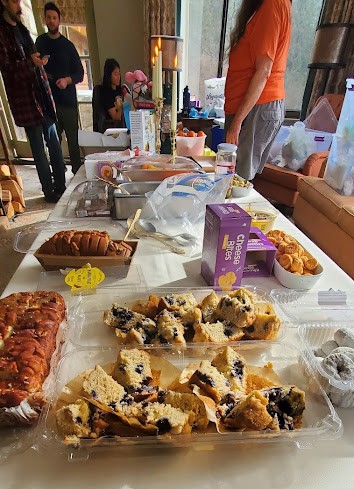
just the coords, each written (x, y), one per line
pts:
(108, 99)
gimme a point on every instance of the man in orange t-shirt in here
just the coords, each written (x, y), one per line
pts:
(254, 90)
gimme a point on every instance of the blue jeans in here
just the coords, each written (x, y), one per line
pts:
(52, 180)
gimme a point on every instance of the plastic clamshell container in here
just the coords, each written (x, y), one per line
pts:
(131, 196)
(29, 240)
(263, 216)
(87, 328)
(157, 168)
(320, 420)
(18, 437)
(293, 281)
(320, 305)
(313, 336)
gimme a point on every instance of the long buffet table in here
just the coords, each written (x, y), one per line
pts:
(327, 465)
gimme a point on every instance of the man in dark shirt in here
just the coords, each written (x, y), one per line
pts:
(30, 99)
(64, 71)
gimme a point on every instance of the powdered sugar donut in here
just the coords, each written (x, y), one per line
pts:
(329, 346)
(340, 398)
(349, 352)
(344, 337)
(339, 366)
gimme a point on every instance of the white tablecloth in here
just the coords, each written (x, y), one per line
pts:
(328, 465)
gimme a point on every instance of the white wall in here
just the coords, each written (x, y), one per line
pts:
(119, 27)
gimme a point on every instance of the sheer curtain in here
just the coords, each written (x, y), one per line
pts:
(159, 18)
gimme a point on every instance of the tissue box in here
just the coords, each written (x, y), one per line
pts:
(142, 130)
(226, 234)
(260, 255)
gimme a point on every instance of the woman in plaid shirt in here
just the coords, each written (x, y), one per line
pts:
(30, 98)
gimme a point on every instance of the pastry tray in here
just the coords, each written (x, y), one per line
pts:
(320, 420)
(29, 240)
(301, 306)
(87, 328)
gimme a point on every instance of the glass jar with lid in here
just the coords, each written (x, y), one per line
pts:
(226, 159)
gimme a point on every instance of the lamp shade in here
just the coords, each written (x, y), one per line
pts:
(170, 46)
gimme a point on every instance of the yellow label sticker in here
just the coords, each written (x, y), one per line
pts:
(84, 280)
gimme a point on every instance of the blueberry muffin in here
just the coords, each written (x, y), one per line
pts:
(211, 381)
(250, 413)
(208, 307)
(123, 320)
(218, 332)
(169, 328)
(275, 408)
(147, 307)
(132, 370)
(101, 387)
(237, 308)
(166, 418)
(266, 324)
(187, 403)
(73, 419)
(233, 366)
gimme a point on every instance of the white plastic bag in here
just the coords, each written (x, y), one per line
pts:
(298, 147)
(214, 96)
(179, 202)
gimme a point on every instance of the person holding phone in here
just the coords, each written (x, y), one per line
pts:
(112, 94)
(64, 70)
(30, 97)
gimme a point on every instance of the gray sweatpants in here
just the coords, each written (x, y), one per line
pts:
(257, 134)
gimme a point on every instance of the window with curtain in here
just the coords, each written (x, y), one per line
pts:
(204, 19)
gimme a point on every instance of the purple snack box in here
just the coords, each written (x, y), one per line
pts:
(226, 232)
(260, 255)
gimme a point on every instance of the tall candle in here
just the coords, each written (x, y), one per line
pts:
(154, 80)
(159, 69)
(174, 98)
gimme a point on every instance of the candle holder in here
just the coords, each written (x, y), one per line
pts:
(173, 134)
(158, 112)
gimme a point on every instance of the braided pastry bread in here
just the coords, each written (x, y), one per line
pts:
(84, 243)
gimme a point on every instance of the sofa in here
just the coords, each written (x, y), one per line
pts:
(327, 218)
(281, 184)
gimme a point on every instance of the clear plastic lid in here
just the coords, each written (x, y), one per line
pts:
(322, 305)
(29, 240)
(320, 421)
(159, 162)
(86, 319)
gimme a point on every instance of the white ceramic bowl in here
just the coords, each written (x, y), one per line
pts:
(293, 281)
(241, 191)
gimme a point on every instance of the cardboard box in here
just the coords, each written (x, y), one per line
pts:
(142, 129)
(56, 262)
(260, 255)
(226, 233)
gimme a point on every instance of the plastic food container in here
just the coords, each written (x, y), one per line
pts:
(263, 217)
(131, 196)
(313, 336)
(294, 281)
(240, 187)
(87, 328)
(320, 420)
(18, 438)
(157, 168)
(188, 146)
